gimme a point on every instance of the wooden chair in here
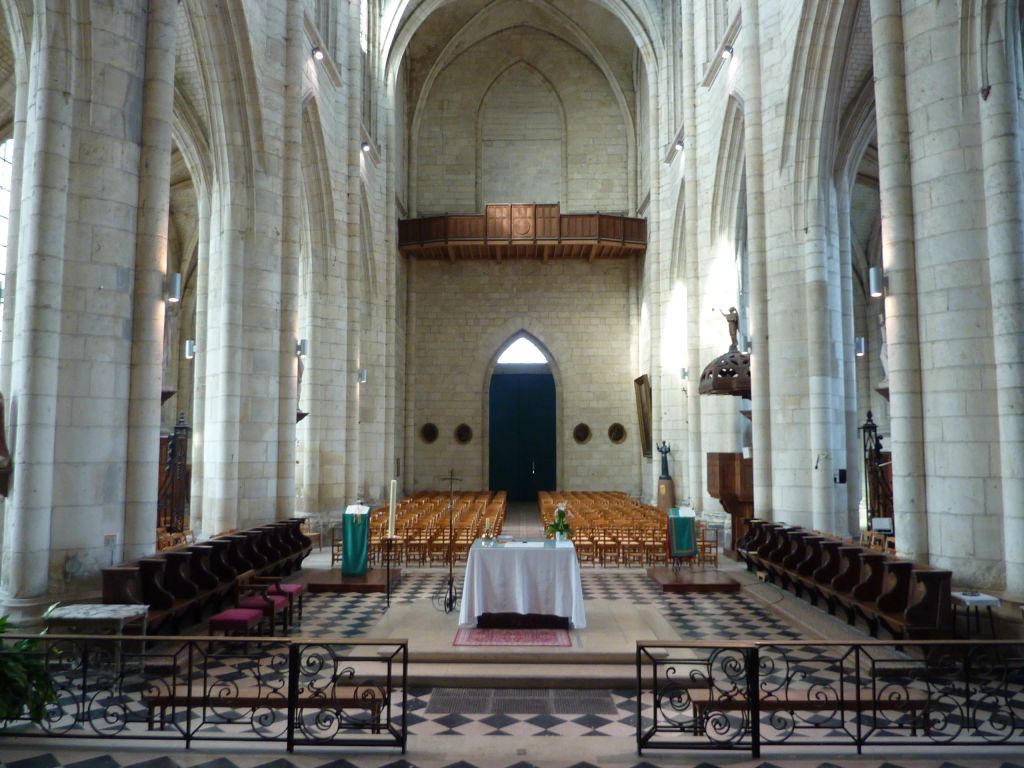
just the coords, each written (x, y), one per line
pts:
(336, 542)
(313, 535)
(707, 545)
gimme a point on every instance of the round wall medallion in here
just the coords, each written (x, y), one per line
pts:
(463, 434)
(428, 432)
(581, 433)
(616, 433)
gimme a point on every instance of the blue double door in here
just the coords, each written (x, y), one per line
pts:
(522, 434)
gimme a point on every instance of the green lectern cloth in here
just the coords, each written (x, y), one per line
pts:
(682, 535)
(355, 542)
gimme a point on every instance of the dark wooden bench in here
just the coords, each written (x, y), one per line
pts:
(251, 697)
(808, 700)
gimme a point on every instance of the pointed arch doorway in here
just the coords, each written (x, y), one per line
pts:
(522, 422)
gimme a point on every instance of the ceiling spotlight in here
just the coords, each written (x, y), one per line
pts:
(317, 53)
(727, 52)
(366, 146)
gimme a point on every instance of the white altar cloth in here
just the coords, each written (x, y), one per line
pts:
(523, 577)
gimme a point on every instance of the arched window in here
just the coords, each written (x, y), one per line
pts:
(522, 351)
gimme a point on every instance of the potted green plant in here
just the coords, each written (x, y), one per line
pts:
(559, 527)
(24, 684)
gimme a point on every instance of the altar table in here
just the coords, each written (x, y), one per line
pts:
(523, 577)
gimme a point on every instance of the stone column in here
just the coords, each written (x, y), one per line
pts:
(695, 486)
(295, 51)
(35, 358)
(197, 507)
(899, 260)
(819, 368)
(757, 253)
(1004, 205)
(854, 487)
(143, 470)
(18, 173)
(353, 285)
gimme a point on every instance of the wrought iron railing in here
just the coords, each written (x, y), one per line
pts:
(298, 692)
(873, 694)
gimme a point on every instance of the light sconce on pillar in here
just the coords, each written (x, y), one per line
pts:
(876, 282)
(190, 348)
(727, 52)
(317, 53)
(684, 374)
(172, 288)
(747, 452)
(861, 346)
(362, 376)
(365, 146)
(301, 348)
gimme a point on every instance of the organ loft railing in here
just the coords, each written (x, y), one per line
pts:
(175, 479)
(877, 473)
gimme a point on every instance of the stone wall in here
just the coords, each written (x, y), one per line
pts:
(463, 314)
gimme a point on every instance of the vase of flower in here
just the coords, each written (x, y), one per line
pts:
(559, 527)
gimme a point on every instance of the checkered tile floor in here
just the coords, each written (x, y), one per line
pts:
(694, 616)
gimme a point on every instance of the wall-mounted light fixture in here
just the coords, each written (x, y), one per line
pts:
(876, 282)
(301, 348)
(365, 146)
(727, 52)
(861, 346)
(684, 374)
(317, 53)
(190, 348)
(362, 376)
(747, 452)
(172, 288)
(679, 145)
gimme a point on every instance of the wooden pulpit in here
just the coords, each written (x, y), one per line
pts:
(731, 481)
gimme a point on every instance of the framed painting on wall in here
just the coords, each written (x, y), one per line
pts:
(642, 385)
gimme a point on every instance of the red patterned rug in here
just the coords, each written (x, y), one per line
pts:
(558, 638)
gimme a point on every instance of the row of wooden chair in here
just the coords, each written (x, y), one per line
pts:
(422, 527)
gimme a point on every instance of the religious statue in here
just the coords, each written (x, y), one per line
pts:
(732, 317)
(664, 449)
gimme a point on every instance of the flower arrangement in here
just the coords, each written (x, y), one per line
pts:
(559, 525)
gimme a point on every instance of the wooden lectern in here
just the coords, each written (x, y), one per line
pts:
(731, 481)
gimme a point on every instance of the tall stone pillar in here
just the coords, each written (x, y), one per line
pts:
(695, 486)
(35, 354)
(757, 252)
(150, 279)
(899, 261)
(1004, 207)
(198, 442)
(295, 51)
(350, 149)
(853, 489)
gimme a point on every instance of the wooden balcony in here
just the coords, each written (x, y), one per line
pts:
(527, 231)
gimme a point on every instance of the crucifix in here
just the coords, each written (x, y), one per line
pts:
(448, 600)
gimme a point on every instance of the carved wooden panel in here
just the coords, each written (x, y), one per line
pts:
(522, 222)
(579, 226)
(465, 227)
(548, 220)
(499, 226)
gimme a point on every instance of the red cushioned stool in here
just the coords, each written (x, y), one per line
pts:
(272, 606)
(292, 591)
(236, 621)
